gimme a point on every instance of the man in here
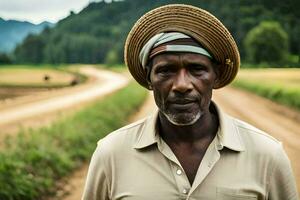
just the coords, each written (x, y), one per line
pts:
(189, 149)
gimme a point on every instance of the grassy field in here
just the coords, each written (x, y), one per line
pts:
(280, 85)
(32, 163)
(33, 76)
(21, 80)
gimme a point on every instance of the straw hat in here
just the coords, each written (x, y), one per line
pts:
(190, 20)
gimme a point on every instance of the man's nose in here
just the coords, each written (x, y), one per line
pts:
(182, 82)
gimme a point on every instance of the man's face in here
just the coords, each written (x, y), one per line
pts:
(182, 84)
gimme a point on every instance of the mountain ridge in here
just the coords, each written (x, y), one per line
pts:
(12, 32)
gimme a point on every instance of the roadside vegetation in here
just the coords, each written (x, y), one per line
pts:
(279, 85)
(34, 160)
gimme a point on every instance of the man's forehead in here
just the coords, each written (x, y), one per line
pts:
(174, 57)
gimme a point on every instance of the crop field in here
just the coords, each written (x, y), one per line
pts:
(22, 80)
(34, 77)
(280, 85)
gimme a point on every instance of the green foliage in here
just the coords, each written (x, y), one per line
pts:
(32, 162)
(5, 59)
(284, 95)
(294, 60)
(267, 42)
(90, 36)
(111, 58)
(31, 50)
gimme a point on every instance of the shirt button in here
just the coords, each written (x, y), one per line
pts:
(184, 191)
(178, 172)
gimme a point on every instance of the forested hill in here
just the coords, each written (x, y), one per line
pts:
(13, 32)
(98, 32)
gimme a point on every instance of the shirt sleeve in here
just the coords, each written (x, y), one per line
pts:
(96, 186)
(282, 183)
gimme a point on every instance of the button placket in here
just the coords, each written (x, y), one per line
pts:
(181, 180)
(210, 158)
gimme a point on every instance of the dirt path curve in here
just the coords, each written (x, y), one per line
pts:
(279, 121)
(105, 82)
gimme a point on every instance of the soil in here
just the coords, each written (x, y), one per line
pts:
(9, 93)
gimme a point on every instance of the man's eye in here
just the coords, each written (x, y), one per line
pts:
(165, 70)
(197, 69)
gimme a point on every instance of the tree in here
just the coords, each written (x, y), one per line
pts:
(111, 58)
(90, 35)
(267, 42)
(31, 50)
(5, 59)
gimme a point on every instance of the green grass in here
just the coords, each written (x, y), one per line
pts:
(279, 85)
(32, 162)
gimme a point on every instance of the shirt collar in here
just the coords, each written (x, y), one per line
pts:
(228, 134)
(148, 134)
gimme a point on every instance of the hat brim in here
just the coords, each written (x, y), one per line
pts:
(190, 20)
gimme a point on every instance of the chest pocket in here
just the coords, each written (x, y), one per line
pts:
(231, 194)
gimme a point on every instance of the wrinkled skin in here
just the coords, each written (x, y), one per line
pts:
(182, 84)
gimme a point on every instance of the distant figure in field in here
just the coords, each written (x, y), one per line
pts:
(75, 81)
(47, 78)
(189, 148)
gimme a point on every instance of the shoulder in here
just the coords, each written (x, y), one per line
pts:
(252, 135)
(258, 142)
(121, 141)
(270, 157)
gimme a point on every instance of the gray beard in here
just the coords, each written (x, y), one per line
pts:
(185, 120)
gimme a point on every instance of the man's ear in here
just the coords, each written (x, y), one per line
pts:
(217, 69)
(148, 73)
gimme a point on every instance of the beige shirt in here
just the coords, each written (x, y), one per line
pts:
(242, 162)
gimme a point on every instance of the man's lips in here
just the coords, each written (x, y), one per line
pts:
(182, 103)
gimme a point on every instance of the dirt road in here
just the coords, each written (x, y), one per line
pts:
(19, 111)
(279, 121)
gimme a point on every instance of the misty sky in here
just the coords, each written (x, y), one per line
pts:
(36, 11)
